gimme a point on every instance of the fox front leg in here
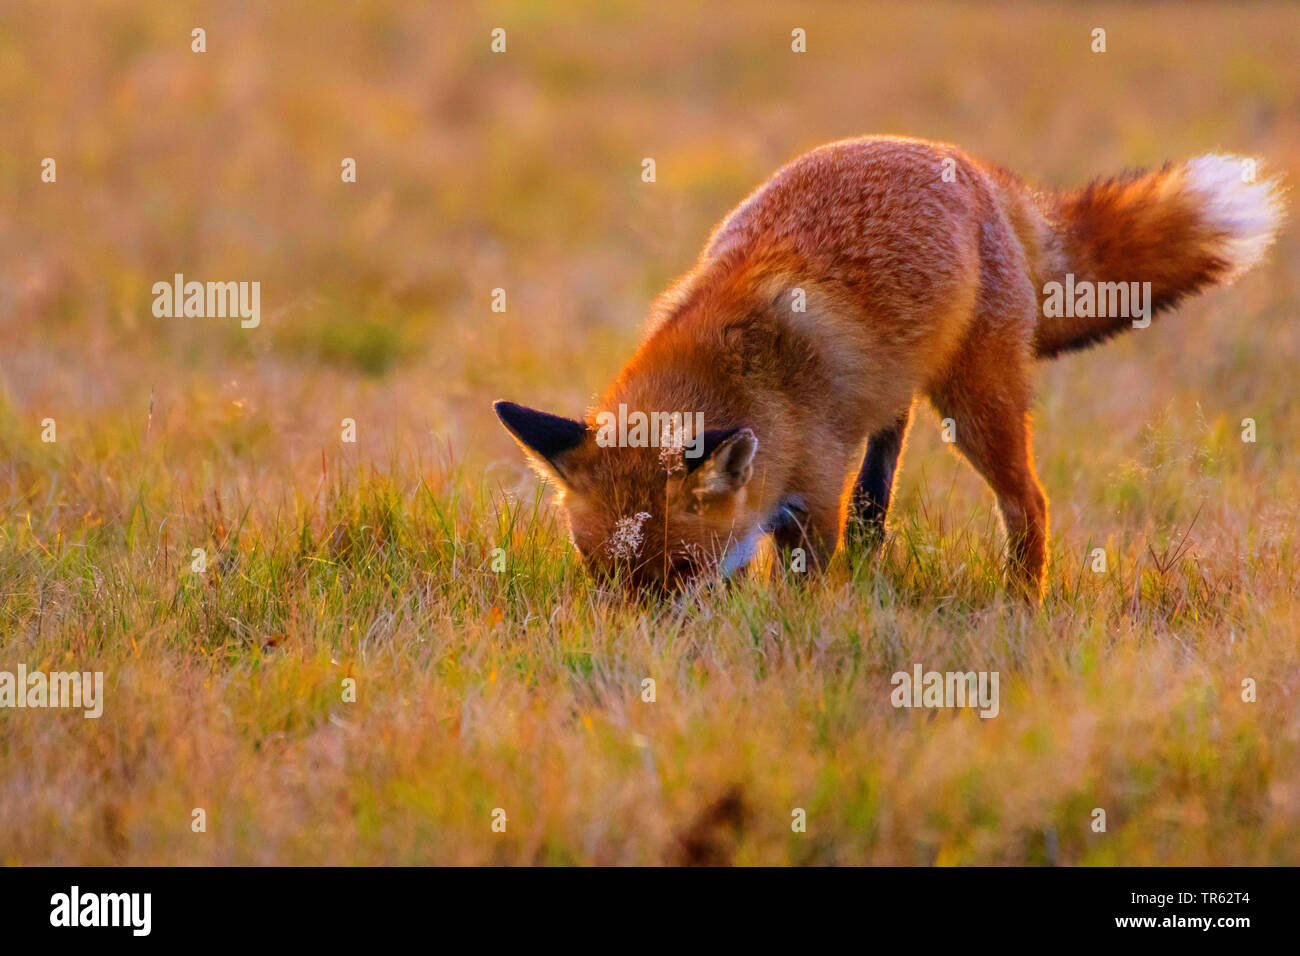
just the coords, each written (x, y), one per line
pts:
(869, 503)
(804, 539)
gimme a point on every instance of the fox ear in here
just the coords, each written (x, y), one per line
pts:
(544, 438)
(726, 465)
(711, 441)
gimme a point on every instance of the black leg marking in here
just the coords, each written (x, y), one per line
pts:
(871, 492)
(789, 518)
(788, 525)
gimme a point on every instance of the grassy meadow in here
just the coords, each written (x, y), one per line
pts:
(522, 690)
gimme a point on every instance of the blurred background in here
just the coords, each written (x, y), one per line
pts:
(521, 170)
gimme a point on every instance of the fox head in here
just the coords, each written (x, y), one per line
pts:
(652, 519)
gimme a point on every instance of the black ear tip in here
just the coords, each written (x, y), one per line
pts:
(546, 434)
(506, 411)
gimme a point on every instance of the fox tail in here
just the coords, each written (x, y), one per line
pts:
(1183, 228)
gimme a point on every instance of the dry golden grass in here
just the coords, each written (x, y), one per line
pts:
(522, 690)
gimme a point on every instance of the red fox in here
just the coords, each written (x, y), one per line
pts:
(859, 276)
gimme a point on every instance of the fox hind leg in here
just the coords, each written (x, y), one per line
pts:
(987, 398)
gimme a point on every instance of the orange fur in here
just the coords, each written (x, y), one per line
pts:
(915, 283)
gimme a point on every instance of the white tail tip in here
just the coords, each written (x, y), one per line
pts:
(1238, 202)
